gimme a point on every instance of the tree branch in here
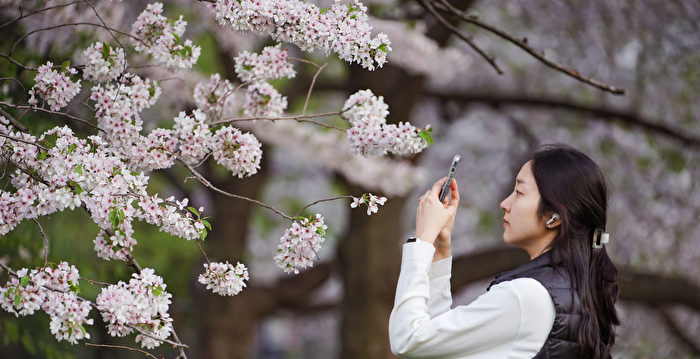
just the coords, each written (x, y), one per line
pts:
(447, 7)
(677, 330)
(455, 30)
(598, 113)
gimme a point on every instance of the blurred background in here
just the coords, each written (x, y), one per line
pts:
(647, 142)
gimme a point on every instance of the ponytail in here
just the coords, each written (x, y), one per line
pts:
(603, 278)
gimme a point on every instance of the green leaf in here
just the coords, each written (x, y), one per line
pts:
(72, 148)
(425, 135)
(179, 40)
(24, 281)
(203, 234)
(82, 329)
(206, 224)
(17, 299)
(194, 211)
(151, 91)
(324, 10)
(105, 51)
(77, 187)
(247, 67)
(42, 155)
(79, 169)
(114, 217)
(157, 291)
(383, 47)
(321, 231)
(65, 65)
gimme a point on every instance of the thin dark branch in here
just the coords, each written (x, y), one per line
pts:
(319, 201)
(122, 347)
(203, 252)
(46, 243)
(523, 45)
(34, 108)
(299, 118)
(13, 121)
(208, 184)
(597, 113)
(24, 141)
(22, 16)
(14, 46)
(456, 31)
(313, 82)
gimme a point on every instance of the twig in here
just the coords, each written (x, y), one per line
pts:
(94, 282)
(202, 250)
(24, 141)
(13, 121)
(313, 82)
(181, 348)
(155, 337)
(121, 347)
(523, 45)
(208, 184)
(25, 107)
(456, 31)
(299, 118)
(319, 201)
(22, 16)
(46, 243)
(14, 46)
(105, 25)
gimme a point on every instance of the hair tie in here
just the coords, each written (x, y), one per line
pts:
(600, 237)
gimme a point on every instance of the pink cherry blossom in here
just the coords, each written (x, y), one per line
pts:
(300, 244)
(223, 278)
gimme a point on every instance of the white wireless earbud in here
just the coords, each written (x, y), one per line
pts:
(554, 218)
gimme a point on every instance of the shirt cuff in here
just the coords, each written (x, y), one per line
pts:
(441, 268)
(418, 254)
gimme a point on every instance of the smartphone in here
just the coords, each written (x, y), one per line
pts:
(445, 193)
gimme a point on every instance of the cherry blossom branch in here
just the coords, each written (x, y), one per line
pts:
(46, 242)
(447, 7)
(35, 108)
(13, 121)
(141, 331)
(299, 118)
(22, 16)
(105, 25)
(23, 141)
(121, 347)
(208, 184)
(319, 201)
(490, 59)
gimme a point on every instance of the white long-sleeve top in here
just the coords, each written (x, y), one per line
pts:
(511, 320)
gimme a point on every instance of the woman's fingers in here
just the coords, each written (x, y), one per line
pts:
(455, 192)
(437, 187)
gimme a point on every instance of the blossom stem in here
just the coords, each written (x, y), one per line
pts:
(46, 243)
(313, 82)
(208, 184)
(319, 201)
(121, 347)
(202, 250)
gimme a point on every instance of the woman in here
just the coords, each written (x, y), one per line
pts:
(561, 304)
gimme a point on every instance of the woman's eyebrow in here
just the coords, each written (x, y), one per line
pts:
(521, 181)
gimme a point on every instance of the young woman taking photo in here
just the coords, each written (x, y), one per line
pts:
(561, 304)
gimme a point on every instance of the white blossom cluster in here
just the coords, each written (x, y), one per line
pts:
(369, 133)
(300, 244)
(54, 290)
(342, 28)
(239, 152)
(77, 172)
(55, 88)
(214, 97)
(373, 202)
(271, 63)
(142, 303)
(160, 37)
(103, 63)
(263, 100)
(195, 137)
(223, 278)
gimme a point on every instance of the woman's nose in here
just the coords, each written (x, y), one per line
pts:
(505, 204)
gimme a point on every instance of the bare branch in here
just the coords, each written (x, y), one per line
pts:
(678, 331)
(13, 121)
(313, 82)
(446, 6)
(319, 201)
(122, 347)
(456, 31)
(22, 16)
(34, 108)
(46, 243)
(597, 113)
(208, 184)
(23, 141)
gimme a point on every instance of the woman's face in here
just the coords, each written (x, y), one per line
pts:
(522, 227)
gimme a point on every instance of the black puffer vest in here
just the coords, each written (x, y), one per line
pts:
(561, 342)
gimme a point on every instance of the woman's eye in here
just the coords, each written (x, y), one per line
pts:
(518, 192)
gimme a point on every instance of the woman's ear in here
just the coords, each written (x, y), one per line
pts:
(553, 221)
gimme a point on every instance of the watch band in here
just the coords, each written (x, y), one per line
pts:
(411, 239)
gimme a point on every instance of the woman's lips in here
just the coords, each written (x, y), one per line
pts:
(505, 223)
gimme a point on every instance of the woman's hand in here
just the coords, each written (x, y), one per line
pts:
(435, 220)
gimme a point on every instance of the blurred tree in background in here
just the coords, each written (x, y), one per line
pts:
(493, 78)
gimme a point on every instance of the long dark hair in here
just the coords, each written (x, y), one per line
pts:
(572, 185)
